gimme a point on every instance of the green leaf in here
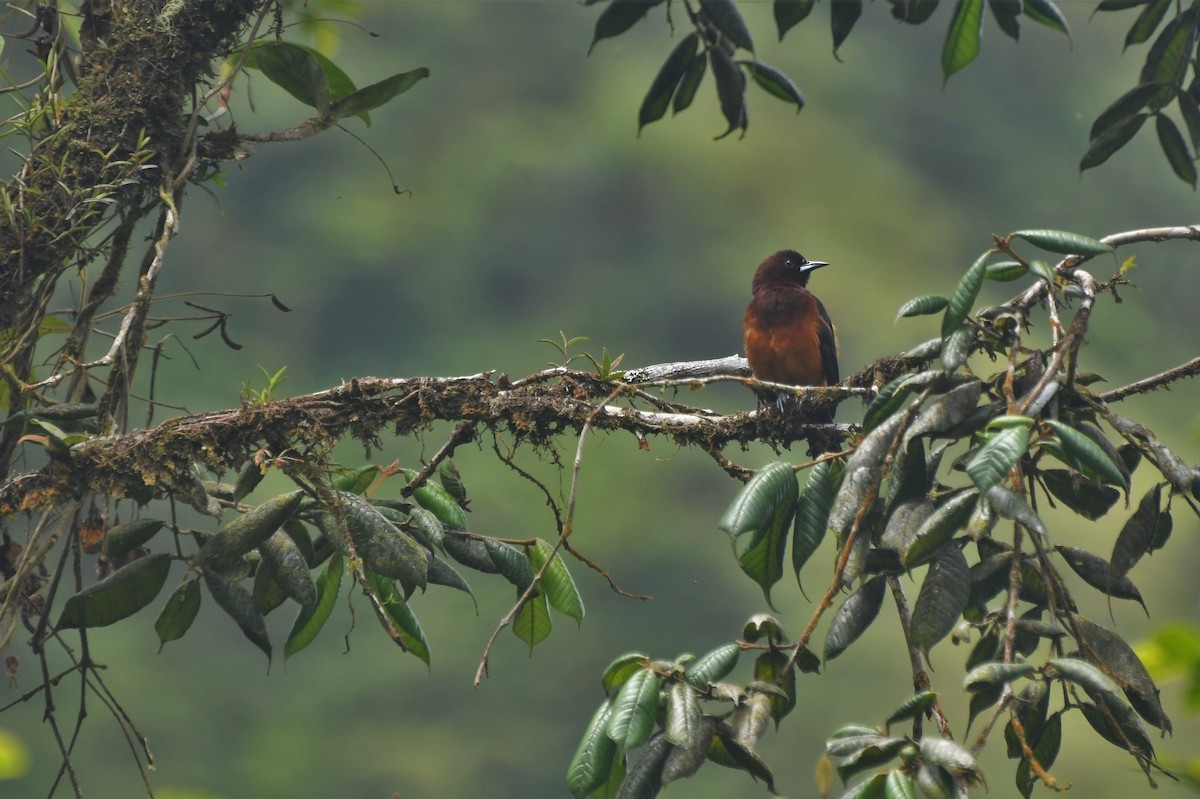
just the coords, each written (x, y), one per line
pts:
(634, 709)
(177, 615)
(1011, 505)
(511, 562)
(239, 605)
(769, 669)
(962, 299)
(936, 529)
(854, 616)
(1137, 534)
(1147, 21)
(774, 82)
(899, 785)
(728, 20)
(713, 666)
(1176, 150)
(309, 621)
(618, 17)
(1189, 109)
(556, 581)
(1169, 57)
(922, 306)
(843, 14)
(645, 777)
(295, 69)
(887, 402)
(244, 533)
(1044, 12)
(947, 411)
(947, 754)
(1094, 570)
(1007, 14)
(118, 596)
(682, 727)
(1125, 729)
(962, 38)
(1087, 455)
(371, 97)
(690, 84)
(1086, 675)
(1005, 271)
(122, 538)
(593, 759)
(1086, 496)
(731, 90)
(913, 12)
(942, 599)
(789, 13)
(1114, 138)
(403, 621)
(439, 501)
(992, 462)
(1063, 243)
(772, 491)
(763, 625)
(287, 566)
(913, 707)
(384, 549)
(532, 623)
(673, 70)
(1116, 658)
(621, 669)
(812, 512)
(995, 674)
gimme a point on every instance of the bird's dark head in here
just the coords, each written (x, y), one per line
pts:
(786, 266)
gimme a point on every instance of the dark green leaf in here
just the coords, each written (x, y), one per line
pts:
(728, 20)
(645, 777)
(1011, 505)
(673, 70)
(1086, 496)
(995, 674)
(712, 667)
(286, 564)
(244, 533)
(888, 401)
(511, 562)
(690, 84)
(1007, 14)
(371, 97)
(1063, 243)
(309, 621)
(812, 512)
(618, 17)
(1147, 21)
(404, 627)
(962, 38)
(843, 15)
(922, 306)
(633, 710)
(1114, 138)
(442, 573)
(439, 501)
(1121, 726)
(763, 626)
(994, 459)
(682, 763)
(770, 493)
(1189, 109)
(295, 69)
(899, 786)
(557, 583)
(1094, 571)
(769, 668)
(947, 411)
(1118, 660)
(1137, 534)
(854, 616)
(882, 750)
(470, 552)
(937, 528)
(1086, 675)
(731, 90)
(237, 602)
(1044, 12)
(178, 613)
(593, 759)
(1176, 150)
(1169, 56)
(729, 751)
(384, 549)
(122, 538)
(532, 623)
(914, 12)
(774, 82)
(1005, 271)
(119, 595)
(682, 727)
(913, 707)
(1045, 751)
(621, 669)
(789, 13)
(963, 297)
(942, 599)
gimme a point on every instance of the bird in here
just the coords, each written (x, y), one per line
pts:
(789, 337)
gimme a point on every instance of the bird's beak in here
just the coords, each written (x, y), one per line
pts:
(812, 266)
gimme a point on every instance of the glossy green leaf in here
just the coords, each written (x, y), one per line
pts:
(633, 710)
(913, 707)
(731, 90)
(355, 481)
(938, 527)
(404, 624)
(122, 538)
(118, 596)
(994, 459)
(557, 583)
(843, 15)
(812, 512)
(309, 621)
(947, 754)
(682, 726)
(1044, 12)
(789, 13)
(854, 616)
(1176, 150)
(995, 674)
(286, 564)
(962, 38)
(1087, 455)
(532, 623)
(378, 94)
(245, 532)
(774, 82)
(426, 528)
(239, 605)
(384, 549)
(713, 666)
(662, 89)
(942, 599)
(177, 615)
(770, 493)
(898, 785)
(728, 20)
(618, 17)
(451, 480)
(439, 501)
(690, 84)
(645, 777)
(1063, 243)
(1005, 271)
(962, 299)
(511, 562)
(922, 306)
(1114, 138)
(621, 669)
(593, 759)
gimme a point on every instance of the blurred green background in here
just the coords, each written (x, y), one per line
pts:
(535, 208)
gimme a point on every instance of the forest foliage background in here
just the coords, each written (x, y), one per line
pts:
(534, 208)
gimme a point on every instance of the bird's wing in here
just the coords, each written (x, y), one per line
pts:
(827, 338)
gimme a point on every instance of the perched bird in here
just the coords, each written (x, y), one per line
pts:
(789, 336)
